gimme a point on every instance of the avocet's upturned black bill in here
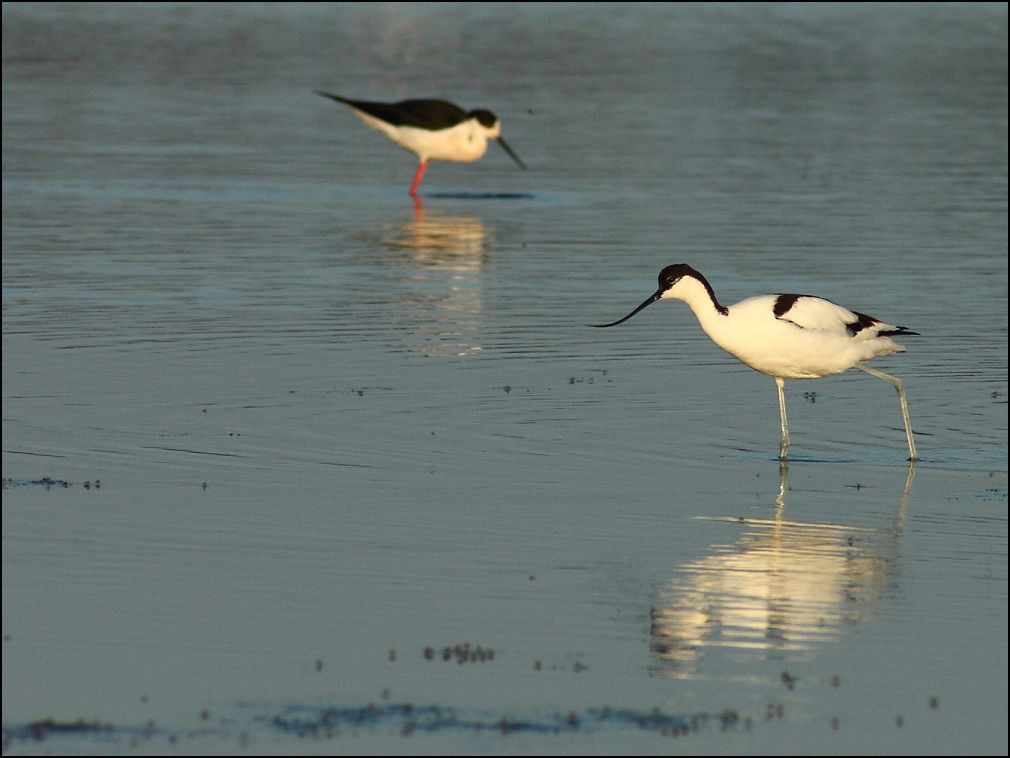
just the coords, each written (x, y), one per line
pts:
(786, 336)
(431, 129)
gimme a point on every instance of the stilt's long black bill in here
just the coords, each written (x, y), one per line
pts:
(508, 150)
(650, 301)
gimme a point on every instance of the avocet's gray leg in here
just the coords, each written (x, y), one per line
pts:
(780, 383)
(780, 501)
(900, 387)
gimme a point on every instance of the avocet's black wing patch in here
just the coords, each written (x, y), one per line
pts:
(810, 312)
(862, 322)
(783, 303)
(880, 329)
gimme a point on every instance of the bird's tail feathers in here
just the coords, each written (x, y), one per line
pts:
(898, 331)
(330, 95)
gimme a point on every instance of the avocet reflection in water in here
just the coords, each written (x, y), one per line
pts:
(782, 590)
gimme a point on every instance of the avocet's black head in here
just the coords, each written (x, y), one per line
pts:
(493, 126)
(668, 279)
(670, 275)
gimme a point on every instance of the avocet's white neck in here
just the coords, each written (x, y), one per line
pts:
(700, 298)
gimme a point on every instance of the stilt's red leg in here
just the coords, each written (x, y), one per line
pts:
(418, 176)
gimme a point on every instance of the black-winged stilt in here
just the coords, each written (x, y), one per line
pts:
(786, 336)
(431, 129)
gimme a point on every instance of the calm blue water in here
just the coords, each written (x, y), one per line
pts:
(282, 451)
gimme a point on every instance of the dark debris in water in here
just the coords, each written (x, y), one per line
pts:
(409, 719)
(481, 195)
(361, 391)
(105, 732)
(460, 652)
(992, 494)
(49, 729)
(39, 730)
(48, 483)
(403, 719)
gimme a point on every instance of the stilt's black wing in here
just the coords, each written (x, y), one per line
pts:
(424, 114)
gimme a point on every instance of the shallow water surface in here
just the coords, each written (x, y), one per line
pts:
(294, 464)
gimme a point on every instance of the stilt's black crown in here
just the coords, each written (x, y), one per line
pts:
(486, 118)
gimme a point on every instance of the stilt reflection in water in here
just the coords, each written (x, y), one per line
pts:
(440, 258)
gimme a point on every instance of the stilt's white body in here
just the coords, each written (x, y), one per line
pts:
(809, 341)
(787, 336)
(464, 143)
